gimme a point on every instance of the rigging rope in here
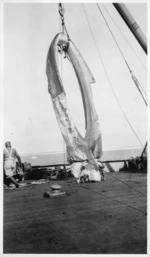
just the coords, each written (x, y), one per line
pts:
(126, 184)
(124, 37)
(61, 11)
(109, 79)
(114, 38)
(143, 91)
(138, 86)
(132, 76)
(144, 150)
(128, 205)
(89, 160)
(119, 180)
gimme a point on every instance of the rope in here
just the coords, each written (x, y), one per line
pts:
(120, 180)
(89, 161)
(124, 37)
(114, 39)
(133, 77)
(128, 205)
(39, 217)
(138, 86)
(145, 213)
(109, 79)
(126, 184)
(144, 150)
(143, 90)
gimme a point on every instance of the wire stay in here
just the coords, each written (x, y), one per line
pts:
(135, 80)
(124, 37)
(109, 78)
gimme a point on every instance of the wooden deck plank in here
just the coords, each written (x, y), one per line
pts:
(85, 221)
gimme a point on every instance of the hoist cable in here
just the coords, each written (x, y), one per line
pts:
(109, 79)
(133, 77)
(124, 36)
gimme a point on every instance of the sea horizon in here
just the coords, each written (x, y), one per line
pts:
(55, 152)
(60, 157)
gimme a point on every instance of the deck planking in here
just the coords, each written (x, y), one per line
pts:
(107, 217)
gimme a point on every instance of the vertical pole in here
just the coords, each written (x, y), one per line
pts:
(135, 29)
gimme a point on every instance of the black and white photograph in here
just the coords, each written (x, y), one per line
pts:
(74, 148)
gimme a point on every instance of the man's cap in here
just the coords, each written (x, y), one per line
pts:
(8, 143)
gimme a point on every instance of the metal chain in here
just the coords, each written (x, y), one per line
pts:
(61, 12)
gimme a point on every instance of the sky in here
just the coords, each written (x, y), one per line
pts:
(29, 120)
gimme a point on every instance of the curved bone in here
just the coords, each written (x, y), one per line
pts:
(78, 148)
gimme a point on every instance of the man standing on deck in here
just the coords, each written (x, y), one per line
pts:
(9, 163)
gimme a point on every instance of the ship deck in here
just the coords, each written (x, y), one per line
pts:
(109, 217)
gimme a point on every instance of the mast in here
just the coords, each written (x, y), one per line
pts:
(132, 24)
(135, 29)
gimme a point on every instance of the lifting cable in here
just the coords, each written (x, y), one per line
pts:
(136, 82)
(109, 79)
